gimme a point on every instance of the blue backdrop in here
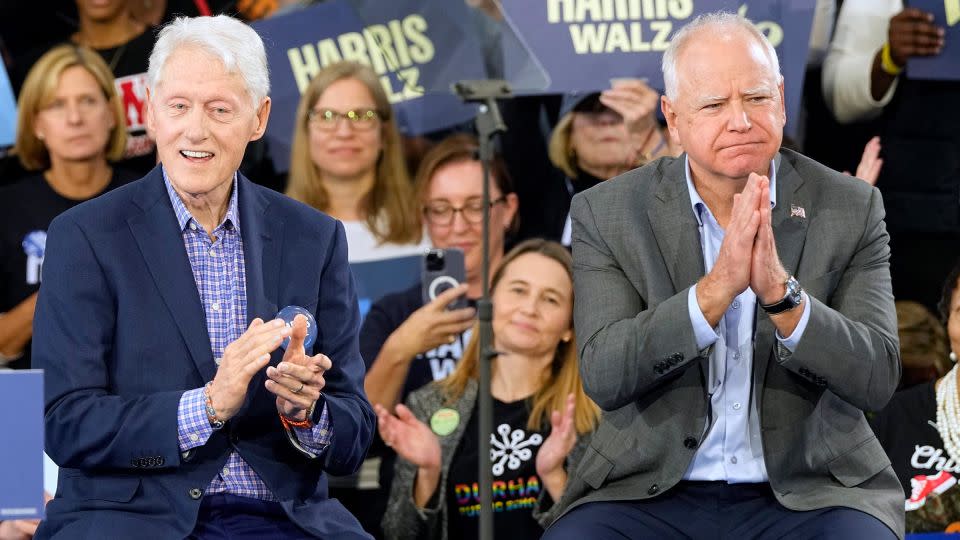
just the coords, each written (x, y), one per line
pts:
(582, 44)
(8, 110)
(414, 45)
(946, 65)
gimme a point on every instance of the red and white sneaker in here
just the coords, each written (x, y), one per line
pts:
(923, 486)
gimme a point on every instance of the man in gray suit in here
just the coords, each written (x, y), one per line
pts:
(735, 317)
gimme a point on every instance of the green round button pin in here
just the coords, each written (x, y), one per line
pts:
(444, 421)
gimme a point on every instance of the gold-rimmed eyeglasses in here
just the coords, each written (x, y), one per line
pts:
(328, 119)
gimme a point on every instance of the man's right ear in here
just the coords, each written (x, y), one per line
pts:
(148, 112)
(670, 115)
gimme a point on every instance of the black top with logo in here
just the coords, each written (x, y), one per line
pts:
(516, 485)
(26, 210)
(129, 62)
(907, 429)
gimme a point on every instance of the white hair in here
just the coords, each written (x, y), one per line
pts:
(716, 22)
(235, 44)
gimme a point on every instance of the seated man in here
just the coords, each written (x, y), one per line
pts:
(170, 407)
(733, 400)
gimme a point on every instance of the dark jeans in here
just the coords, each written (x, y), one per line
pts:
(713, 510)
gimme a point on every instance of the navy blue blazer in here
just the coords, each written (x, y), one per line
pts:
(121, 334)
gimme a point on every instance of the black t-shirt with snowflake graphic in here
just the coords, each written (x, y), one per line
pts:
(26, 210)
(906, 428)
(516, 485)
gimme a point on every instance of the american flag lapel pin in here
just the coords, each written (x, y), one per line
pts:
(798, 212)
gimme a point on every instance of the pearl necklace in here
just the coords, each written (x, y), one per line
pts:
(948, 414)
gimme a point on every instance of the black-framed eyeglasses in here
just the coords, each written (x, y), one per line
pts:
(441, 213)
(327, 119)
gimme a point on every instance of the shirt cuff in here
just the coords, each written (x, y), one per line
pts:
(791, 341)
(706, 336)
(193, 425)
(316, 438)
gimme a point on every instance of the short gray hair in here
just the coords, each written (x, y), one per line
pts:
(234, 43)
(717, 21)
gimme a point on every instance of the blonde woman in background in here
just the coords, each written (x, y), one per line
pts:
(347, 161)
(540, 409)
(70, 125)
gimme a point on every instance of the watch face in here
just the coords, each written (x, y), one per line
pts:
(793, 290)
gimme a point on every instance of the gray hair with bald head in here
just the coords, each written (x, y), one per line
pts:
(234, 43)
(716, 22)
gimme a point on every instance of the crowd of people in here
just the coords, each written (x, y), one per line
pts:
(743, 313)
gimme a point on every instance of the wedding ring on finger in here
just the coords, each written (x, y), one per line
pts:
(298, 390)
(452, 338)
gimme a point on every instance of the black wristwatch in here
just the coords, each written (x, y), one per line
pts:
(790, 300)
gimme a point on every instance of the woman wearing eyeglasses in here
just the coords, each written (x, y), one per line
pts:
(407, 344)
(347, 161)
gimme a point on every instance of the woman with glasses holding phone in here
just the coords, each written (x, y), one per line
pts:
(405, 343)
(347, 161)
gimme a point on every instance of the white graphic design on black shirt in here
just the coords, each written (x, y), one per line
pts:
(511, 449)
(34, 244)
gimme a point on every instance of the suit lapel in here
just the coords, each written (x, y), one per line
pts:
(675, 227)
(157, 234)
(790, 232)
(262, 241)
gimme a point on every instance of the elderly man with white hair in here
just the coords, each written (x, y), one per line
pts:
(177, 404)
(735, 320)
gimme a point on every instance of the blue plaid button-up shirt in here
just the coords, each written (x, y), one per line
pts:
(218, 269)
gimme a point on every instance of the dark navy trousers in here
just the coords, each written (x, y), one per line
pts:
(714, 510)
(230, 517)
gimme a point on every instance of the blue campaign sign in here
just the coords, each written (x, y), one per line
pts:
(582, 44)
(8, 110)
(21, 454)
(946, 65)
(417, 47)
(376, 279)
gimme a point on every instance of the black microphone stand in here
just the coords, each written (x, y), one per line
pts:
(489, 123)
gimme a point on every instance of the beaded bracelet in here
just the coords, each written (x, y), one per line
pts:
(215, 420)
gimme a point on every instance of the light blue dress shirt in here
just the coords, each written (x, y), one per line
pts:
(732, 450)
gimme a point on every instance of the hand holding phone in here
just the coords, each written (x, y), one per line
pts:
(442, 270)
(444, 314)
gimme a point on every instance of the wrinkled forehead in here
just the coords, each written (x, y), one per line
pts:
(190, 64)
(713, 61)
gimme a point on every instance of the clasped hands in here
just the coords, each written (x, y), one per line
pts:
(748, 255)
(296, 381)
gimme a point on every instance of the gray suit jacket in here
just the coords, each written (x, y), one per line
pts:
(637, 251)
